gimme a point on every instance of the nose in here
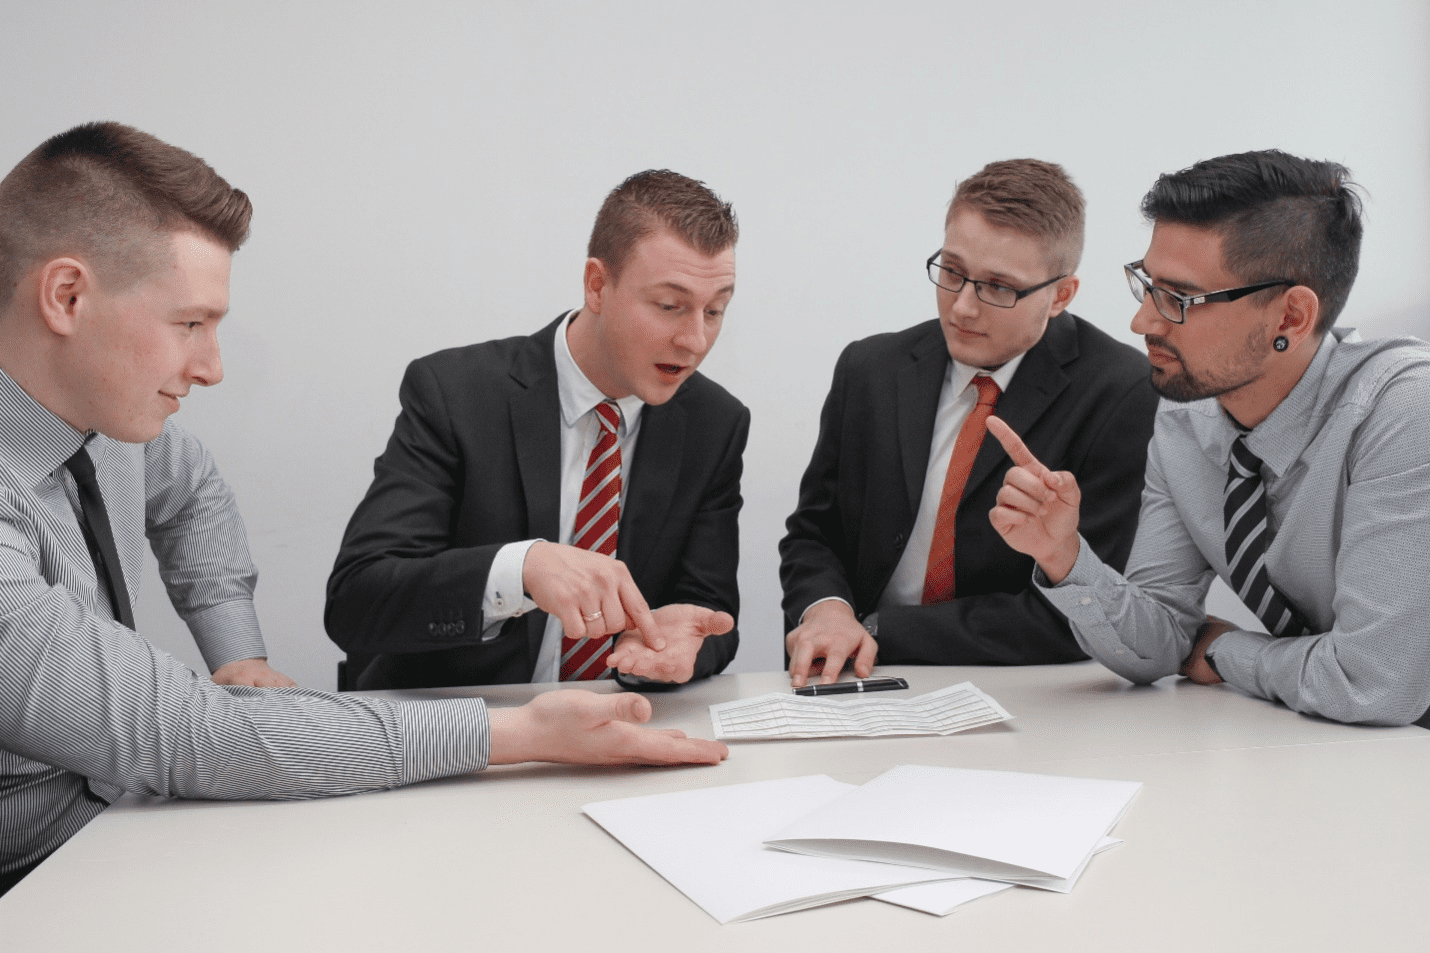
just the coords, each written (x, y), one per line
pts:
(1148, 320)
(965, 299)
(694, 335)
(206, 364)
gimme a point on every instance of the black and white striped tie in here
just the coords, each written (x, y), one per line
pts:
(1244, 507)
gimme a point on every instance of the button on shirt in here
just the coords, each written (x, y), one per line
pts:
(1346, 468)
(504, 597)
(89, 708)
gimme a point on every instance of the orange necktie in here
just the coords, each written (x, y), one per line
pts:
(938, 581)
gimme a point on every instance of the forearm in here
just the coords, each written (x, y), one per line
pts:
(149, 724)
(989, 629)
(382, 602)
(201, 545)
(1141, 634)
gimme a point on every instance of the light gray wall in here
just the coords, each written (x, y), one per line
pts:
(425, 175)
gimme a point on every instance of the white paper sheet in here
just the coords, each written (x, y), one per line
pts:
(707, 844)
(943, 897)
(783, 715)
(998, 825)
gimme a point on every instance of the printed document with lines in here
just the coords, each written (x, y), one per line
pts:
(781, 715)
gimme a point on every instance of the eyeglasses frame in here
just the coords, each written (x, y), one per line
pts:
(1017, 295)
(1134, 270)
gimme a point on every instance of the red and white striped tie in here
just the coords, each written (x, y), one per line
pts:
(598, 517)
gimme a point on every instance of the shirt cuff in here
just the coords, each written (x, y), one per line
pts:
(443, 738)
(818, 601)
(505, 596)
(1236, 653)
(1083, 597)
(227, 632)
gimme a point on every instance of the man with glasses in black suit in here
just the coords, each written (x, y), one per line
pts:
(889, 553)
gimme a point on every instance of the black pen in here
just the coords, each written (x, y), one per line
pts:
(885, 683)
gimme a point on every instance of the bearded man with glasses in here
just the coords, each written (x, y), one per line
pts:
(1291, 458)
(890, 553)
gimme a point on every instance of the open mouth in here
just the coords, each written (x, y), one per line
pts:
(673, 370)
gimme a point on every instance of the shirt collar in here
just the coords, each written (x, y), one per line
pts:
(960, 375)
(36, 443)
(1279, 439)
(578, 395)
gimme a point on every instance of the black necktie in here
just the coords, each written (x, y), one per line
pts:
(1244, 507)
(95, 524)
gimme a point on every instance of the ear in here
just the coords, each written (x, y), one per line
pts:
(1063, 293)
(65, 285)
(597, 280)
(1300, 311)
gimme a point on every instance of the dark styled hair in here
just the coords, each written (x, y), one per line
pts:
(1280, 217)
(654, 199)
(1030, 196)
(110, 194)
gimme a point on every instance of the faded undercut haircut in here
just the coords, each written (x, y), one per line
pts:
(110, 195)
(1030, 196)
(656, 199)
(1280, 217)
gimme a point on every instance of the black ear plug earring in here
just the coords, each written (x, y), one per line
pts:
(1280, 343)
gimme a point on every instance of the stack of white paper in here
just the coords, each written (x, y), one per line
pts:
(925, 838)
(1033, 829)
(708, 844)
(781, 715)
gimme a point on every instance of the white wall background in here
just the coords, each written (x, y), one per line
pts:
(426, 173)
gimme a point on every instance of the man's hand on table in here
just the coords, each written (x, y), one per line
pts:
(591, 594)
(1196, 666)
(829, 631)
(682, 629)
(252, 671)
(1037, 511)
(572, 726)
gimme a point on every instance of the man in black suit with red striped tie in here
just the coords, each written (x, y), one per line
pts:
(482, 552)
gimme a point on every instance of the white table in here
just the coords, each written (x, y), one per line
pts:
(1256, 829)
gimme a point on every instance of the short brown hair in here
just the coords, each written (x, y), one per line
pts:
(659, 198)
(110, 193)
(1030, 196)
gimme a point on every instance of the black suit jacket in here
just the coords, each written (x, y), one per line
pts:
(1080, 400)
(473, 464)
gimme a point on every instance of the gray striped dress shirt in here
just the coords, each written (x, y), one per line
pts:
(1346, 468)
(90, 709)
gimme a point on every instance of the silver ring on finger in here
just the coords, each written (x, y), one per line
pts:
(591, 616)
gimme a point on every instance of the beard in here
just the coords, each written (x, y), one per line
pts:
(1187, 385)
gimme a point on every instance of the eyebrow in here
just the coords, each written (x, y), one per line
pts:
(1172, 284)
(681, 289)
(202, 312)
(993, 276)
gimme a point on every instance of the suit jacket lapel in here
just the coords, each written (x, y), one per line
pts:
(651, 481)
(536, 431)
(919, 383)
(1037, 383)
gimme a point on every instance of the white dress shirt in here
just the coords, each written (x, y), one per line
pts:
(504, 597)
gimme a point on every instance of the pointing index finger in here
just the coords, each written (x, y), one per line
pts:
(1018, 451)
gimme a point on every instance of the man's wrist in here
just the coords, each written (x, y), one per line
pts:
(1059, 564)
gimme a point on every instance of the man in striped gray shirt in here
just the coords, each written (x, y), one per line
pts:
(114, 268)
(1289, 457)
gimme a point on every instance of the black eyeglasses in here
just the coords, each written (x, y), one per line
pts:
(989, 292)
(1173, 306)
